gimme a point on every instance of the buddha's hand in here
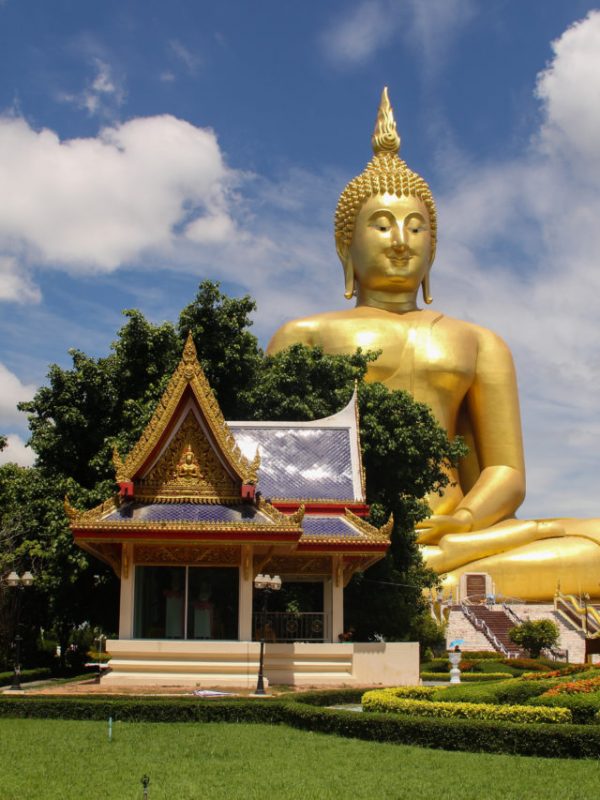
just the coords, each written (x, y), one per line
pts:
(432, 529)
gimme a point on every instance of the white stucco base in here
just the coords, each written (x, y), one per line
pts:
(212, 664)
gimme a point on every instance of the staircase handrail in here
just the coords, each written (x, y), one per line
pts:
(486, 630)
(584, 616)
(512, 614)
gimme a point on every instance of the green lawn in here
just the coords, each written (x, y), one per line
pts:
(64, 759)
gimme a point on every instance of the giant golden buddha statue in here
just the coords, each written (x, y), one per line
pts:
(385, 233)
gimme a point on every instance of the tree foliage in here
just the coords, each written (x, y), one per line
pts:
(98, 403)
(535, 635)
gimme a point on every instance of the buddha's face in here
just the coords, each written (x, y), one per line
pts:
(391, 245)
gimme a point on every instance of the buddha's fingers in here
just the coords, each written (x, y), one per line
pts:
(457, 549)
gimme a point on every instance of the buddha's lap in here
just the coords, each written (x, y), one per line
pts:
(534, 570)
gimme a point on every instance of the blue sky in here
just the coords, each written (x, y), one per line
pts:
(145, 146)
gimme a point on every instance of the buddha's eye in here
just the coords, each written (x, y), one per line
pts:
(383, 225)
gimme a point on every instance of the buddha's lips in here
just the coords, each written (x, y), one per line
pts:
(399, 261)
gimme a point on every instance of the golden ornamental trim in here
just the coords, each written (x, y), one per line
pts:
(149, 498)
(120, 473)
(107, 526)
(190, 373)
(382, 534)
(351, 544)
(319, 501)
(96, 513)
(70, 510)
(292, 520)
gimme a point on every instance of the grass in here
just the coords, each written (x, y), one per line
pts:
(66, 759)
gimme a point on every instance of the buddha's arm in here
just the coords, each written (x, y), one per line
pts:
(493, 405)
(493, 408)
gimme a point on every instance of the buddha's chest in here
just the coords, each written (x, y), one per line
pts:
(428, 358)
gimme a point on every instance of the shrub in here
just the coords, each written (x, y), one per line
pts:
(412, 692)
(495, 667)
(466, 677)
(535, 635)
(482, 655)
(385, 701)
(518, 691)
(583, 707)
(437, 666)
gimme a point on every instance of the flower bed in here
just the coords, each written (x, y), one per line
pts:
(585, 686)
(385, 701)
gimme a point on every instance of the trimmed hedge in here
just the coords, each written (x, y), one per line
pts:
(38, 674)
(413, 692)
(467, 677)
(583, 707)
(299, 711)
(384, 701)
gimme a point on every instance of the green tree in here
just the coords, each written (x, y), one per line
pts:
(535, 635)
(35, 534)
(98, 403)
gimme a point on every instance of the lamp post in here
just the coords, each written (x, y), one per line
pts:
(18, 583)
(266, 584)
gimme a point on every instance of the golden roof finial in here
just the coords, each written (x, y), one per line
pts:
(189, 350)
(385, 138)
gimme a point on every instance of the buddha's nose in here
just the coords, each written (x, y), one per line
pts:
(397, 238)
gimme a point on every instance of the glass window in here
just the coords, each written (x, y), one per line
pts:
(159, 602)
(212, 603)
(186, 603)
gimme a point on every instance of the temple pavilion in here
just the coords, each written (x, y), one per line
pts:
(205, 505)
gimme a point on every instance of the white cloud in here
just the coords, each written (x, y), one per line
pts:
(95, 204)
(102, 94)
(12, 391)
(519, 244)
(190, 60)
(429, 27)
(364, 29)
(17, 452)
(15, 283)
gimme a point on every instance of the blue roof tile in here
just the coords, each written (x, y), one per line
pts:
(329, 526)
(300, 463)
(187, 512)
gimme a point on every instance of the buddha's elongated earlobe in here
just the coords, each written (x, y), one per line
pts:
(348, 278)
(425, 287)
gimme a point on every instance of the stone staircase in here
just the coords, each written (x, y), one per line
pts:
(499, 623)
(571, 639)
(459, 627)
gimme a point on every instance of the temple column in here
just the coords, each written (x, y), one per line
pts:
(245, 595)
(333, 596)
(127, 593)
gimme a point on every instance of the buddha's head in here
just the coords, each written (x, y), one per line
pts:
(385, 221)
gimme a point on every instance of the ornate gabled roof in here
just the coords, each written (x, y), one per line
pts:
(317, 461)
(191, 453)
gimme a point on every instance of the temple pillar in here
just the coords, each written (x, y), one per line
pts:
(333, 599)
(127, 593)
(245, 595)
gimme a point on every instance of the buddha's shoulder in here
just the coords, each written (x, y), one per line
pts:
(313, 330)
(484, 338)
